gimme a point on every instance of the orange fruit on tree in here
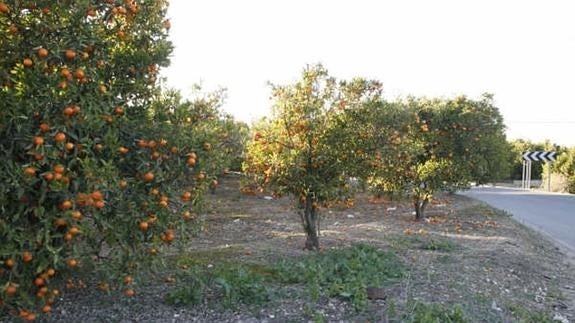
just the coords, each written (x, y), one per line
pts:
(68, 111)
(148, 176)
(191, 161)
(102, 88)
(9, 263)
(42, 52)
(128, 280)
(66, 205)
(72, 263)
(129, 292)
(59, 169)
(13, 29)
(76, 215)
(123, 150)
(65, 72)
(28, 62)
(30, 171)
(99, 204)
(4, 8)
(207, 146)
(70, 54)
(44, 127)
(60, 137)
(143, 226)
(39, 281)
(10, 290)
(38, 141)
(120, 111)
(27, 256)
(49, 176)
(69, 146)
(79, 74)
(97, 195)
(192, 155)
(123, 184)
(60, 222)
(201, 176)
(46, 308)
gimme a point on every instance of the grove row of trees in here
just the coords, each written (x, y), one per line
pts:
(325, 132)
(100, 169)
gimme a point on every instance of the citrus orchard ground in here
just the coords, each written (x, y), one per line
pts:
(466, 256)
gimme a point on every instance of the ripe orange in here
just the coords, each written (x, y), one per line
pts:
(4, 8)
(76, 215)
(123, 184)
(44, 127)
(63, 85)
(27, 62)
(66, 205)
(207, 146)
(128, 280)
(74, 231)
(129, 292)
(68, 236)
(143, 226)
(38, 156)
(200, 176)
(191, 161)
(85, 56)
(186, 196)
(9, 263)
(10, 290)
(119, 111)
(69, 146)
(99, 204)
(123, 150)
(50, 272)
(192, 155)
(38, 141)
(46, 308)
(65, 72)
(72, 263)
(59, 169)
(60, 222)
(42, 52)
(49, 176)
(30, 171)
(91, 12)
(174, 150)
(70, 54)
(97, 195)
(148, 177)
(60, 137)
(27, 256)
(79, 74)
(102, 88)
(68, 111)
(39, 281)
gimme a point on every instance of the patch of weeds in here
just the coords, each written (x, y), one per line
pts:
(239, 284)
(343, 273)
(427, 243)
(229, 286)
(523, 314)
(205, 257)
(433, 313)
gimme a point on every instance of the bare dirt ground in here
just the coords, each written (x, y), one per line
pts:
(465, 253)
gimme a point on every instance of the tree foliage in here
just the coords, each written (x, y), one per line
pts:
(90, 177)
(303, 149)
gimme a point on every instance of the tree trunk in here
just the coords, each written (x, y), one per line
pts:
(310, 221)
(420, 204)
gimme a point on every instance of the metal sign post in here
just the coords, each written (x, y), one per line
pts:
(528, 158)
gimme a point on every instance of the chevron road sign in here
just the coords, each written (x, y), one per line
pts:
(545, 156)
(531, 156)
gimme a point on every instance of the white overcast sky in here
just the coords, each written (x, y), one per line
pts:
(521, 51)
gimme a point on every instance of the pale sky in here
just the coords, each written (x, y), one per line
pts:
(521, 51)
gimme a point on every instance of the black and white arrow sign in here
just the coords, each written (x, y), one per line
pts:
(546, 156)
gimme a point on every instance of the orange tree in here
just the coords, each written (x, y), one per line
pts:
(303, 149)
(443, 144)
(88, 179)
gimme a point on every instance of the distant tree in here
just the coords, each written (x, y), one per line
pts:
(445, 144)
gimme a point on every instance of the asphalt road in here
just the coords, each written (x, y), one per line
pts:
(551, 213)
